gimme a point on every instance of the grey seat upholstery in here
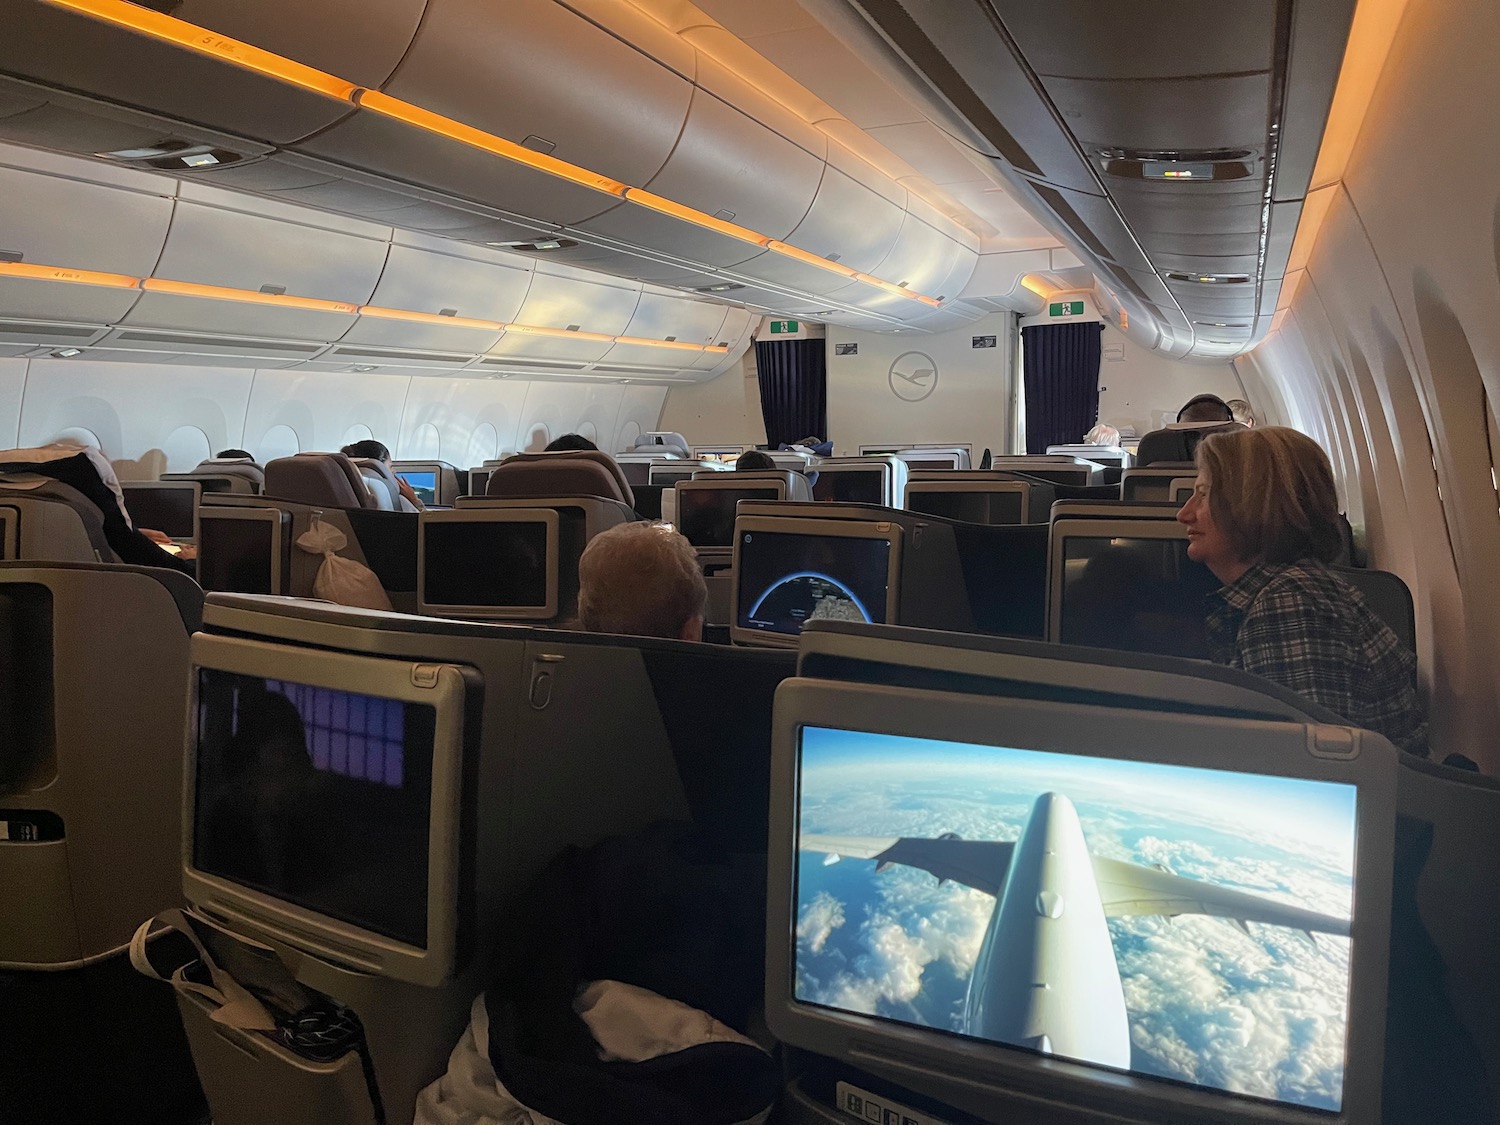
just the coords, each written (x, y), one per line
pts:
(381, 482)
(237, 475)
(325, 479)
(57, 523)
(564, 473)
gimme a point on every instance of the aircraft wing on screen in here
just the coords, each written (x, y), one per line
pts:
(981, 864)
(1128, 888)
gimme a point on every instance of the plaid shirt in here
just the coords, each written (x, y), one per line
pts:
(1301, 626)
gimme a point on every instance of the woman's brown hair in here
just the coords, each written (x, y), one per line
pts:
(1271, 493)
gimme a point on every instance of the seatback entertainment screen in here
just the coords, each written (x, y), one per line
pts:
(1183, 924)
(786, 580)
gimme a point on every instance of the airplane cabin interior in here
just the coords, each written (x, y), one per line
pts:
(334, 336)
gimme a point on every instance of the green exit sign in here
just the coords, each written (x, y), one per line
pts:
(1057, 308)
(783, 327)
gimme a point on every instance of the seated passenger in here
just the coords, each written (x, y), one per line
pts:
(86, 469)
(642, 580)
(569, 443)
(376, 451)
(234, 455)
(1241, 411)
(754, 461)
(1264, 519)
(1102, 434)
(1200, 415)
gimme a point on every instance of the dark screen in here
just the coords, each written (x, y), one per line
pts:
(787, 579)
(933, 464)
(168, 510)
(1147, 488)
(479, 480)
(316, 796)
(969, 507)
(485, 563)
(851, 486)
(1140, 595)
(706, 515)
(423, 484)
(234, 556)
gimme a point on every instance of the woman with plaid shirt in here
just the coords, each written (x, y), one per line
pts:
(1264, 519)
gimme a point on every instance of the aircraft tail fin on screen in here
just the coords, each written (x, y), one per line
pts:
(981, 864)
(1126, 888)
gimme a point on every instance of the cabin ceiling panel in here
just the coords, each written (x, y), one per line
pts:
(1103, 39)
(1195, 113)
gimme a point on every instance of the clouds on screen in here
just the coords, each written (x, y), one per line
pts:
(817, 921)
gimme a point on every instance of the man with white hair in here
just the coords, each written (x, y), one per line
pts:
(642, 580)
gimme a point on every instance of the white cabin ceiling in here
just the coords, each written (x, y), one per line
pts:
(904, 145)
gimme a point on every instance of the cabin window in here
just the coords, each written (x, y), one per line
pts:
(278, 441)
(185, 448)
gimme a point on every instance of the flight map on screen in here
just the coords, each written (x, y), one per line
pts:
(1172, 922)
(786, 580)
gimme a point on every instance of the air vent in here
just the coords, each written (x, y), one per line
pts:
(634, 370)
(381, 353)
(219, 342)
(1221, 324)
(538, 246)
(501, 361)
(28, 331)
(1207, 278)
(1059, 206)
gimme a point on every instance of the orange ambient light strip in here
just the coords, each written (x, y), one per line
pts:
(430, 318)
(74, 277)
(201, 41)
(685, 345)
(246, 296)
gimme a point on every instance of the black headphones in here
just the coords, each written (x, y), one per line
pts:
(1228, 414)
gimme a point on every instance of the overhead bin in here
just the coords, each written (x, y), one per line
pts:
(561, 297)
(358, 40)
(64, 48)
(925, 260)
(668, 316)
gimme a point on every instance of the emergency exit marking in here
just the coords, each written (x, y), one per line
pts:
(787, 327)
(982, 341)
(1057, 308)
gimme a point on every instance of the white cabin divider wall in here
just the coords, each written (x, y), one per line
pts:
(152, 419)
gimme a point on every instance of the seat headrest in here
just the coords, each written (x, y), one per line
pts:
(581, 472)
(318, 478)
(380, 481)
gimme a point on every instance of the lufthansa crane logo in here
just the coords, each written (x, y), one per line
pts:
(913, 376)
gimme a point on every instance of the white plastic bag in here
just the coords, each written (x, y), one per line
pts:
(341, 580)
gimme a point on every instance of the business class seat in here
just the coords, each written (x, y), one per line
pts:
(42, 519)
(93, 666)
(323, 479)
(228, 474)
(1388, 598)
(380, 481)
(584, 472)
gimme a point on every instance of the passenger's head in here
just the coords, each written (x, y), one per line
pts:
(234, 455)
(569, 443)
(754, 461)
(369, 448)
(642, 580)
(1102, 434)
(1263, 495)
(1205, 408)
(1241, 411)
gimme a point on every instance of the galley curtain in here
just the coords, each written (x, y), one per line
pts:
(793, 389)
(1062, 382)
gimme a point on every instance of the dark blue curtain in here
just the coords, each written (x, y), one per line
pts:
(793, 389)
(1062, 382)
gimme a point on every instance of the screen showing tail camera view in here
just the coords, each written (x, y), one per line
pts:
(1172, 922)
(423, 484)
(787, 580)
(319, 797)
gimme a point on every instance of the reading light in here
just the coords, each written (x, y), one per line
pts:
(248, 296)
(430, 318)
(66, 353)
(166, 29)
(73, 277)
(722, 288)
(1207, 278)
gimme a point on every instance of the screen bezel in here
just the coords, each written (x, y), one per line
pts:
(1142, 528)
(948, 1067)
(737, 482)
(1177, 487)
(279, 521)
(552, 523)
(1020, 487)
(1147, 474)
(10, 533)
(887, 489)
(836, 529)
(331, 939)
(484, 471)
(195, 487)
(441, 471)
